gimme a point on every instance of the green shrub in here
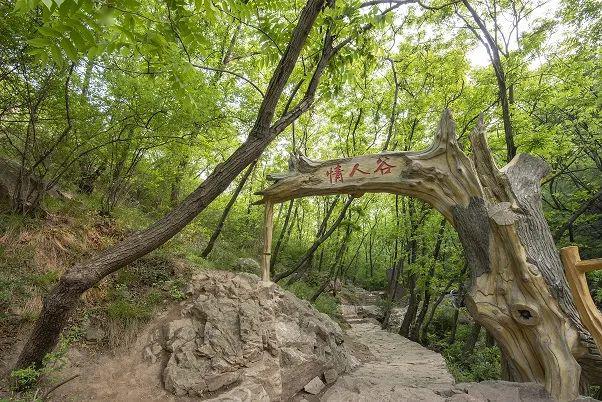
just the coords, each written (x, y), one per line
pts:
(128, 308)
(482, 364)
(128, 311)
(326, 303)
(174, 288)
(26, 378)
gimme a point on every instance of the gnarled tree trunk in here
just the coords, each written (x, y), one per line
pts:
(518, 289)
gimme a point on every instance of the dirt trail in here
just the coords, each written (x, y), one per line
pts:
(395, 369)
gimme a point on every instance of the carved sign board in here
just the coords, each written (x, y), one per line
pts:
(355, 176)
(359, 169)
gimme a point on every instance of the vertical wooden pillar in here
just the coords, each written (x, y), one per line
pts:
(575, 270)
(267, 240)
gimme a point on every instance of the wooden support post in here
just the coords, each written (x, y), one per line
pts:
(267, 241)
(575, 270)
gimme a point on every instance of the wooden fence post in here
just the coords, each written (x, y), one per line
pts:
(267, 241)
(575, 270)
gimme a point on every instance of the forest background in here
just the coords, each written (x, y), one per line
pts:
(111, 113)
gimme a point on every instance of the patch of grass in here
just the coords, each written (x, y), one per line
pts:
(175, 289)
(126, 308)
(128, 311)
(44, 280)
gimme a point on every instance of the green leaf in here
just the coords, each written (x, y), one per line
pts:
(79, 42)
(39, 42)
(69, 49)
(57, 55)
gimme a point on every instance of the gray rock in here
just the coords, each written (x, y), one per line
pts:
(501, 391)
(245, 392)
(315, 386)
(31, 186)
(94, 334)
(330, 376)
(238, 335)
(248, 265)
(370, 312)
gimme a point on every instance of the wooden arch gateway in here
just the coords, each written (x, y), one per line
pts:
(519, 291)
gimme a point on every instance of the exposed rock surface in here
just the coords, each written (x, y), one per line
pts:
(500, 391)
(315, 386)
(236, 331)
(248, 265)
(396, 369)
(30, 186)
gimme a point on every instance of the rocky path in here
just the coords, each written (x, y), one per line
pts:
(394, 368)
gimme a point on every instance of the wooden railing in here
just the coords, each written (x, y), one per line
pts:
(575, 270)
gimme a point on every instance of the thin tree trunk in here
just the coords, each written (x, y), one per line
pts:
(472, 340)
(307, 265)
(425, 328)
(316, 244)
(414, 334)
(460, 279)
(336, 266)
(577, 214)
(371, 260)
(413, 301)
(60, 302)
(176, 186)
(392, 291)
(454, 328)
(494, 55)
(281, 236)
(222, 220)
(393, 107)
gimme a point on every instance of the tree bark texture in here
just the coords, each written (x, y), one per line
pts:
(518, 291)
(412, 309)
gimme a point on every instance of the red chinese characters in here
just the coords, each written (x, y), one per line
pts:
(382, 166)
(356, 168)
(335, 174)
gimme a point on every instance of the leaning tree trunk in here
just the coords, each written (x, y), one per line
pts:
(518, 289)
(222, 219)
(62, 299)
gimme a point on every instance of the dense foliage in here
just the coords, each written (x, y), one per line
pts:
(115, 111)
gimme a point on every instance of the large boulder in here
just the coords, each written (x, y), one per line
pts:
(248, 265)
(31, 187)
(236, 333)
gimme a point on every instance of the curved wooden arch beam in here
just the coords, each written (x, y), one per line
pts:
(518, 290)
(575, 270)
(442, 175)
